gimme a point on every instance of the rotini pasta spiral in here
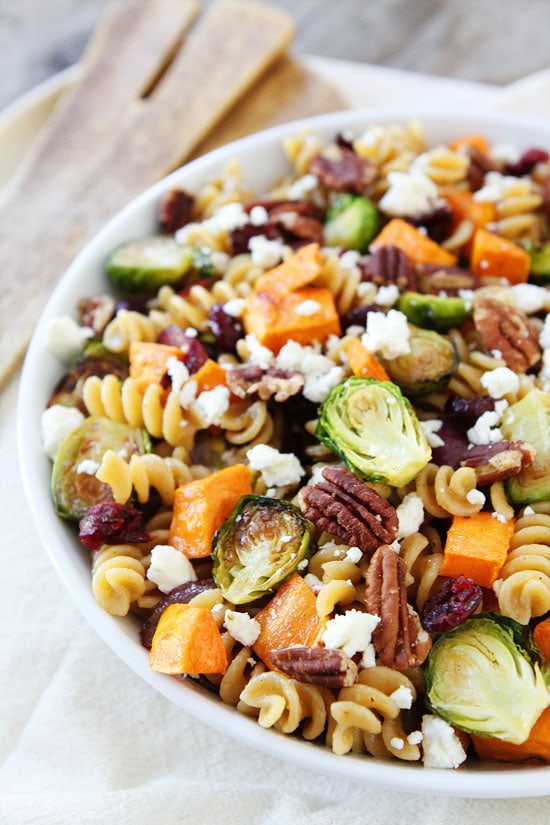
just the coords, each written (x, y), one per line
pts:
(445, 491)
(118, 578)
(144, 472)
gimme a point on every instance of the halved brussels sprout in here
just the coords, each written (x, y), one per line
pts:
(374, 429)
(74, 485)
(146, 265)
(352, 222)
(429, 365)
(540, 261)
(529, 420)
(434, 311)
(258, 547)
(95, 360)
(480, 678)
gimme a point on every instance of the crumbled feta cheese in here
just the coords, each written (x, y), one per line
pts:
(308, 307)
(241, 627)
(187, 394)
(302, 186)
(211, 405)
(495, 187)
(56, 423)
(354, 554)
(350, 260)
(410, 514)
(277, 469)
(415, 737)
(410, 193)
(397, 743)
(387, 296)
(257, 353)
(178, 373)
(352, 632)
(440, 745)
(387, 334)
(500, 381)
(258, 215)
(65, 338)
(544, 335)
(313, 582)
(467, 295)
(169, 568)
(320, 373)
(530, 298)
(504, 153)
(87, 467)
(228, 217)
(234, 307)
(265, 252)
(402, 697)
(430, 429)
(475, 497)
(485, 430)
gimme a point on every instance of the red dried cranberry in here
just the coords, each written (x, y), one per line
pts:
(455, 443)
(438, 223)
(357, 317)
(176, 210)
(240, 237)
(112, 523)
(179, 595)
(452, 605)
(526, 162)
(466, 411)
(226, 329)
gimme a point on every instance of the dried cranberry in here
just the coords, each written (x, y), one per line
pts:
(452, 605)
(526, 162)
(226, 329)
(466, 411)
(438, 223)
(454, 445)
(193, 352)
(240, 237)
(176, 210)
(357, 317)
(179, 595)
(112, 523)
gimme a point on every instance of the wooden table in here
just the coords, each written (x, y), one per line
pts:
(471, 39)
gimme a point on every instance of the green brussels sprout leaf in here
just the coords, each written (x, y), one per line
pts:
(480, 678)
(352, 222)
(374, 429)
(529, 420)
(258, 547)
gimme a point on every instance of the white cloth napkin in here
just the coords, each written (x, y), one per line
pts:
(83, 740)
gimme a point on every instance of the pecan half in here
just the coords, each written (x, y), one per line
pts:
(97, 312)
(344, 171)
(434, 279)
(496, 462)
(399, 638)
(348, 508)
(504, 328)
(390, 265)
(251, 379)
(320, 666)
(175, 210)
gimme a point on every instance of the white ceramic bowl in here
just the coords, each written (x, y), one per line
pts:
(262, 160)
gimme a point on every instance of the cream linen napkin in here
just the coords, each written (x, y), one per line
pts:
(84, 740)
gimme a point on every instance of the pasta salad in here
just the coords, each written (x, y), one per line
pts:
(305, 440)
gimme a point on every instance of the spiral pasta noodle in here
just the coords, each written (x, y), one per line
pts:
(129, 326)
(445, 491)
(118, 578)
(523, 587)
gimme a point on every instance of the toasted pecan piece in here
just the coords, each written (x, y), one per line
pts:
(321, 666)
(505, 329)
(399, 638)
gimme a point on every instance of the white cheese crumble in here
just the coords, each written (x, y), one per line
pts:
(178, 374)
(440, 745)
(241, 627)
(387, 334)
(475, 497)
(228, 217)
(415, 737)
(234, 307)
(308, 307)
(352, 632)
(544, 335)
(257, 353)
(485, 430)
(87, 467)
(211, 405)
(410, 193)
(530, 298)
(265, 252)
(495, 187)
(302, 186)
(430, 429)
(354, 555)
(56, 423)
(277, 469)
(500, 381)
(387, 296)
(65, 338)
(410, 514)
(402, 697)
(320, 373)
(397, 743)
(169, 568)
(258, 215)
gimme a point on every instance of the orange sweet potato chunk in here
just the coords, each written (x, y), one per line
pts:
(537, 744)
(499, 258)
(148, 361)
(476, 546)
(363, 362)
(298, 271)
(187, 640)
(210, 375)
(201, 507)
(275, 318)
(419, 247)
(290, 618)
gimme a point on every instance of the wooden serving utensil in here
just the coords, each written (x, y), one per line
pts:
(153, 86)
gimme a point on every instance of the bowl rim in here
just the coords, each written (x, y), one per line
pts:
(485, 780)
